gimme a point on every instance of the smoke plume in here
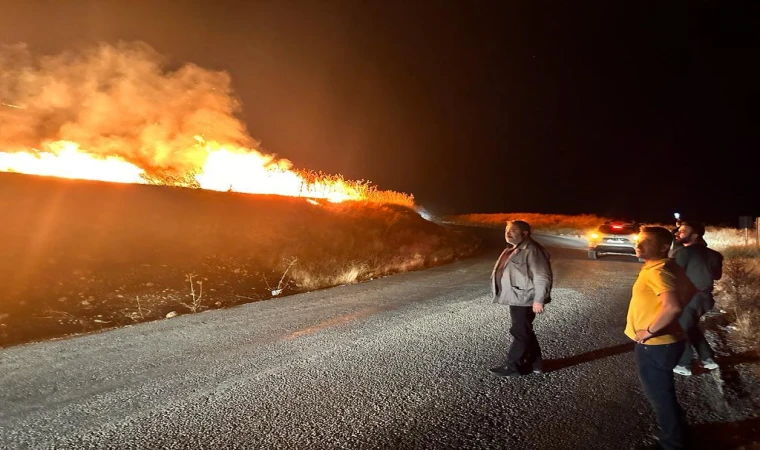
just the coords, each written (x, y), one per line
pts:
(123, 99)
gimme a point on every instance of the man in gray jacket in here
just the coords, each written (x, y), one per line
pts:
(522, 278)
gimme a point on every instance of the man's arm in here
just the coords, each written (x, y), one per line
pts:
(669, 312)
(538, 263)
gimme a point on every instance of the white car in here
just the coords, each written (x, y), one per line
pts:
(613, 238)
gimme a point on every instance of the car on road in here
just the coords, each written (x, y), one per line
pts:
(613, 238)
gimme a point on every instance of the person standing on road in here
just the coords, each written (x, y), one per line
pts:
(522, 279)
(652, 322)
(703, 266)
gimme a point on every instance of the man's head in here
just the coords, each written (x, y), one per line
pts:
(653, 243)
(689, 232)
(517, 231)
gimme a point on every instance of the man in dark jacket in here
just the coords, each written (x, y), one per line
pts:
(703, 266)
(522, 278)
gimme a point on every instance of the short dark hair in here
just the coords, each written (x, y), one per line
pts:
(662, 235)
(521, 224)
(697, 228)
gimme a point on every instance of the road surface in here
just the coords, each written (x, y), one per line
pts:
(398, 362)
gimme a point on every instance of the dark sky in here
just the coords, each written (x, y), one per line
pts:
(630, 109)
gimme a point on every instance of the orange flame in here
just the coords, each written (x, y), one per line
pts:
(254, 173)
(237, 170)
(64, 159)
(122, 113)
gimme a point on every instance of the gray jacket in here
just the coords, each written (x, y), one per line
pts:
(522, 275)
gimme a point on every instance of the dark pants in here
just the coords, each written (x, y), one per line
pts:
(524, 353)
(689, 321)
(655, 364)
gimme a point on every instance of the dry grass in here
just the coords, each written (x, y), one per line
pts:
(317, 184)
(371, 240)
(738, 292)
(724, 238)
(105, 253)
(364, 189)
(551, 223)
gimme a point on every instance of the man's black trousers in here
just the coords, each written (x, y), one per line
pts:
(524, 353)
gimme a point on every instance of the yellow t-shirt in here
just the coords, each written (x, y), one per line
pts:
(655, 278)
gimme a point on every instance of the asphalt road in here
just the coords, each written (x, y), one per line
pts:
(399, 362)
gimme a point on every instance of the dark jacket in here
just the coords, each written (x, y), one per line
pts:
(703, 265)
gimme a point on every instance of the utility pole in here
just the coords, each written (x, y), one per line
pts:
(745, 223)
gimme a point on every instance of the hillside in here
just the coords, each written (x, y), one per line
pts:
(79, 256)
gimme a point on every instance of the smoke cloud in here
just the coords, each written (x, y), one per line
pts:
(117, 99)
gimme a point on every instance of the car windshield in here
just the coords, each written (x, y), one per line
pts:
(618, 228)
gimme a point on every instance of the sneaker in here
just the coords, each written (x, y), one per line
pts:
(682, 370)
(709, 364)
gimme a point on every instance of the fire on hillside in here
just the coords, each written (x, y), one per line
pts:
(117, 113)
(237, 170)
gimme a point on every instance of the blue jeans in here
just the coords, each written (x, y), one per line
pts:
(655, 364)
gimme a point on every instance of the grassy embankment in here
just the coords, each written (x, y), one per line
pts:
(737, 293)
(80, 256)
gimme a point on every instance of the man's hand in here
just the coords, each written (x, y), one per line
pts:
(538, 308)
(642, 336)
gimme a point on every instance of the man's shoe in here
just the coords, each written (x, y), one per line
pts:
(504, 372)
(682, 370)
(538, 370)
(709, 364)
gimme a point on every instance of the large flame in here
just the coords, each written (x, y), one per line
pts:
(238, 170)
(65, 159)
(250, 171)
(122, 113)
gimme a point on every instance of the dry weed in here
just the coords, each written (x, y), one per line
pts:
(195, 303)
(738, 292)
(723, 238)
(282, 283)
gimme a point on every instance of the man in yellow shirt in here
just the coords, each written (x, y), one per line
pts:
(656, 304)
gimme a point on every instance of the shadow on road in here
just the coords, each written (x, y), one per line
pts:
(728, 363)
(735, 359)
(550, 365)
(726, 435)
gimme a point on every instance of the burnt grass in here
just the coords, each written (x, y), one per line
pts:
(80, 256)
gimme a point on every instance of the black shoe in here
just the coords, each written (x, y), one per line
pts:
(504, 372)
(538, 370)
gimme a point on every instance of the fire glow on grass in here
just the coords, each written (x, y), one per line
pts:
(238, 170)
(122, 113)
(224, 170)
(64, 159)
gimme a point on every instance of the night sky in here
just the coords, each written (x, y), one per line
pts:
(626, 109)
